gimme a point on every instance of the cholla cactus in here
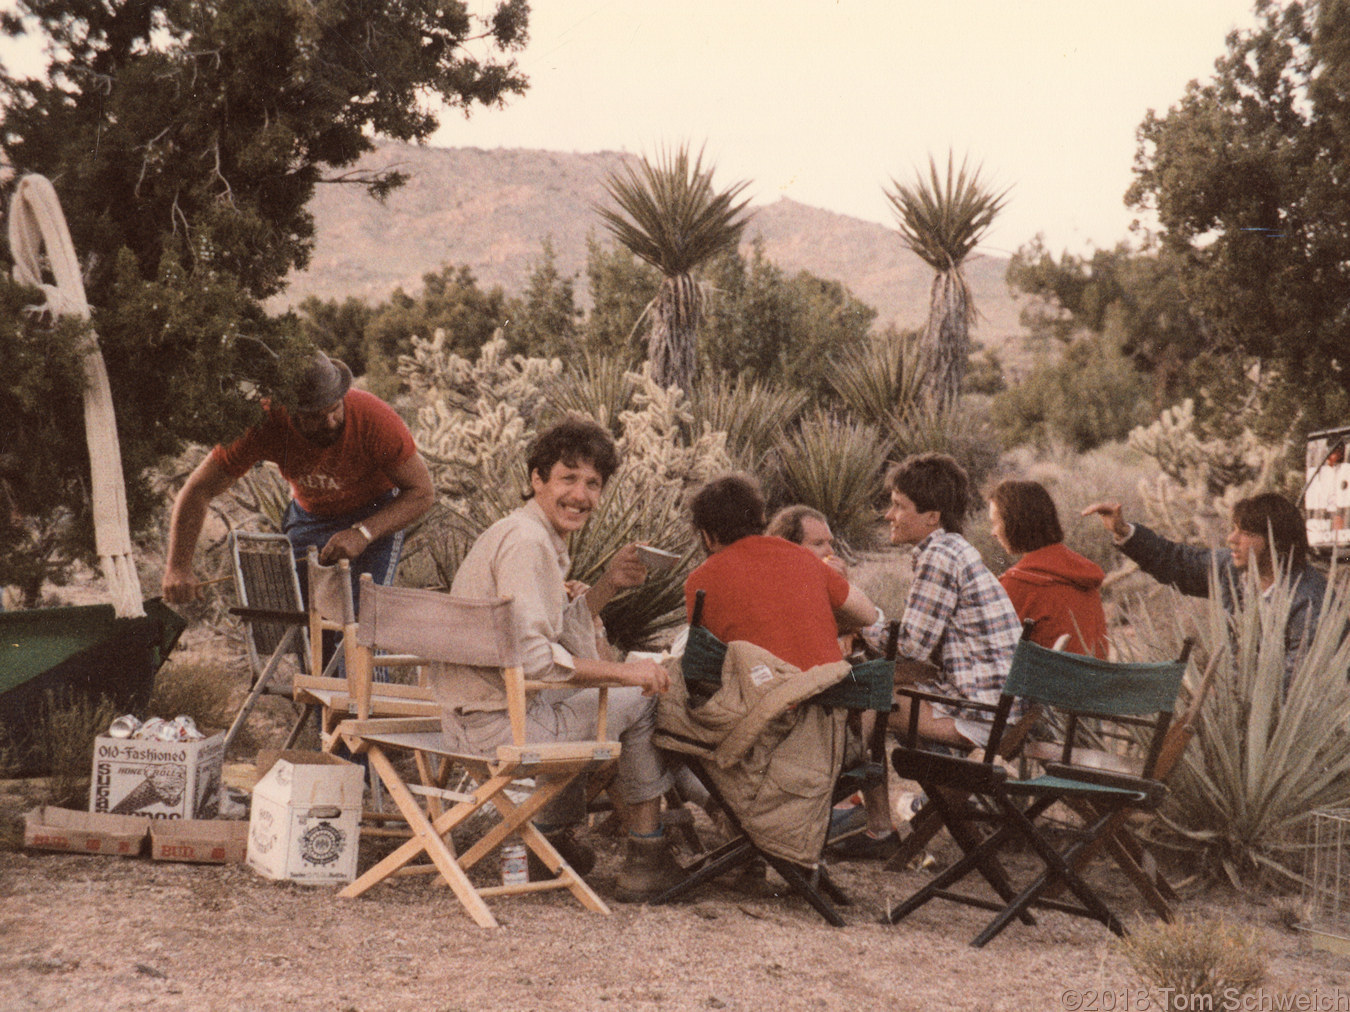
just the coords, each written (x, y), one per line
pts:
(474, 422)
(1202, 476)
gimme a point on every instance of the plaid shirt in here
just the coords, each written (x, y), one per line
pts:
(959, 617)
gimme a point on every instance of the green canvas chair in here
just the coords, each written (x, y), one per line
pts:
(1086, 693)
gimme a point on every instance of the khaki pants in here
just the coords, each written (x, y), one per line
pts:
(572, 715)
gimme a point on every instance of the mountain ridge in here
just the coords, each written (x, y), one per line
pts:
(491, 209)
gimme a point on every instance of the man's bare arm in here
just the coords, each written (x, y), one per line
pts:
(857, 612)
(414, 498)
(209, 480)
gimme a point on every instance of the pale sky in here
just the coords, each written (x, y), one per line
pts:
(825, 101)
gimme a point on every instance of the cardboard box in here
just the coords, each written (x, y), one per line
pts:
(51, 828)
(305, 819)
(204, 841)
(159, 779)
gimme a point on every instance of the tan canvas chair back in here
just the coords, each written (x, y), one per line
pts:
(476, 634)
(338, 695)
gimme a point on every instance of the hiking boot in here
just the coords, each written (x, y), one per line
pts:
(648, 870)
(572, 850)
(866, 847)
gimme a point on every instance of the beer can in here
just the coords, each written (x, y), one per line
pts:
(515, 863)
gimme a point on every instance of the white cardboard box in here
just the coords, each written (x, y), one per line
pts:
(305, 819)
(159, 779)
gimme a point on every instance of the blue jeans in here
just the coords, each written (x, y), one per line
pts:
(380, 559)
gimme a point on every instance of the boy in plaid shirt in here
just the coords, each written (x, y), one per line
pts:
(959, 627)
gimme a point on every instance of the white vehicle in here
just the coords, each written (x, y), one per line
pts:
(1326, 495)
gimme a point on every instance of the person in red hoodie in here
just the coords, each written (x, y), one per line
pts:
(1052, 585)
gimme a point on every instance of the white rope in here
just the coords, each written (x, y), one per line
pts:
(35, 221)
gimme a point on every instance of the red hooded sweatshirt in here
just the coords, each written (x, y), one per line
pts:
(1061, 591)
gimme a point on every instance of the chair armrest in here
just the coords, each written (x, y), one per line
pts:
(270, 615)
(1153, 789)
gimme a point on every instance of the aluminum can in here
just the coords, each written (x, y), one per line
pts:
(515, 863)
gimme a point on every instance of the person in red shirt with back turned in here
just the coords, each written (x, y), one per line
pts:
(781, 597)
(356, 479)
(1051, 585)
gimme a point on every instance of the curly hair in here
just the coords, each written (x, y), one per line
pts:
(572, 440)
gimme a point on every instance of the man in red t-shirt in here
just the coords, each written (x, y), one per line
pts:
(356, 479)
(765, 590)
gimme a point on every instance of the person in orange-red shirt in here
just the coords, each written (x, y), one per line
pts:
(356, 479)
(1051, 585)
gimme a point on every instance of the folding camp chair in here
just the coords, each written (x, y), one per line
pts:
(1130, 854)
(868, 687)
(1083, 691)
(466, 633)
(327, 689)
(273, 614)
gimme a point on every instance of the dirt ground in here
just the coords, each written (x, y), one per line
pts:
(83, 932)
(119, 933)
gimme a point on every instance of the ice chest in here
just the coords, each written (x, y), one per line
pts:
(159, 779)
(204, 841)
(51, 828)
(305, 818)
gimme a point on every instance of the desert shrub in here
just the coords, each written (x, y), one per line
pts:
(965, 432)
(1264, 758)
(1090, 395)
(194, 689)
(598, 386)
(753, 414)
(885, 577)
(834, 465)
(474, 421)
(1195, 960)
(61, 745)
(882, 380)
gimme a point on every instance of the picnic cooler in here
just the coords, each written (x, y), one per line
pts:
(304, 820)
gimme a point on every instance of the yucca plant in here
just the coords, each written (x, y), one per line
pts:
(1264, 757)
(943, 222)
(964, 431)
(598, 386)
(668, 213)
(834, 465)
(882, 380)
(753, 415)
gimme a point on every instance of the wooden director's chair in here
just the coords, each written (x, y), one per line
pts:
(473, 634)
(328, 689)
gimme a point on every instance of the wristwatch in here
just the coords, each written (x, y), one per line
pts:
(365, 532)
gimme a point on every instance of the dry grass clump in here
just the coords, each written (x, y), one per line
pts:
(1194, 958)
(201, 691)
(61, 745)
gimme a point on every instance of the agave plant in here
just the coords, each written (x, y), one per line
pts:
(882, 381)
(752, 414)
(943, 222)
(834, 465)
(1265, 758)
(668, 214)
